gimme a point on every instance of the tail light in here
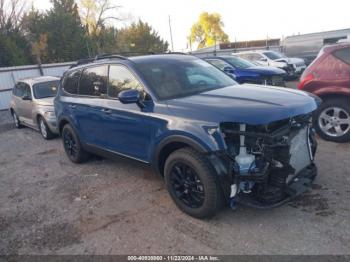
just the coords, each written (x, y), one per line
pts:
(305, 80)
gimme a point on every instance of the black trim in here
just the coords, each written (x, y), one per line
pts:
(110, 154)
(174, 139)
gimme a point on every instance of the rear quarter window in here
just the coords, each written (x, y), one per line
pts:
(343, 55)
(71, 81)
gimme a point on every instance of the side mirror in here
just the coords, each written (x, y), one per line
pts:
(129, 96)
(229, 70)
(27, 98)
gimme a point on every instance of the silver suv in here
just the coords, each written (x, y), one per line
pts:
(32, 104)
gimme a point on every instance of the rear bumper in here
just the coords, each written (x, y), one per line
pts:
(297, 186)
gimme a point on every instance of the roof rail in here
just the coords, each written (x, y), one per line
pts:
(82, 62)
(109, 56)
(175, 53)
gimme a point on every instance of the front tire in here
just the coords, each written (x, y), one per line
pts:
(44, 129)
(192, 183)
(72, 145)
(332, 120)
(16, 120)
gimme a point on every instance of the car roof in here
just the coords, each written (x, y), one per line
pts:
(39, 79)
(254, 51)
(330, 48)
(137, 60)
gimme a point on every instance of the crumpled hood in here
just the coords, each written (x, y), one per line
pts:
(291, 60)
(250, 104)
(45, 101)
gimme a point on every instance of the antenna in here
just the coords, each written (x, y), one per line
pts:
(171, 35)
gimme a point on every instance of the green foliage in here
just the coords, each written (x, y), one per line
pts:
(58, 35)
(207, 31)
(14, 48)
(140, 37)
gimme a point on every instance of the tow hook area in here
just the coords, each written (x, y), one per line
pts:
(300, 184)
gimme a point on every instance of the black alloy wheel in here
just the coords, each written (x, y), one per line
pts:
(186, 185)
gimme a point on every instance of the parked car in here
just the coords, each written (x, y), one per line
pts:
(244, 71)
(32, 104)
(329, 78)
(212, 140)
(293, 66)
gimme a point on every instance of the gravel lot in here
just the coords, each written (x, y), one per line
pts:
(50, 206)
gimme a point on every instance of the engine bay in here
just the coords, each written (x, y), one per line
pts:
(268, 159)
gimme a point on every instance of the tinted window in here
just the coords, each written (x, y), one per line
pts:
(219, 63)
(273, 55)
(120, 78)
(239, 62)
(176, 78)
(26, 90)
(71, 81)
(93, 81)
(45, 89)
(343, 54)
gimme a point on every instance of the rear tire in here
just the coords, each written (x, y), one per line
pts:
(196, 189)
(16, 120)
(44, 129)
(332, 120)
(72, 145)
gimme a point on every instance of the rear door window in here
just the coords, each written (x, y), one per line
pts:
(71, 81)
(93, 81)
(26, 90)
(343, 55)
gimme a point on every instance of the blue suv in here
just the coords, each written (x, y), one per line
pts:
(213, 141)
(244, 71)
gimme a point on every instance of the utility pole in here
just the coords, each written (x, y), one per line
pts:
(171, 36)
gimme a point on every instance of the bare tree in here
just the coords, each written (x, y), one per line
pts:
(11, 12)
(95, 14)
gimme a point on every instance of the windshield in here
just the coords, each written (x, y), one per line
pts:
(177, 78)
(45, 89)
(239, 62)
(274, 55)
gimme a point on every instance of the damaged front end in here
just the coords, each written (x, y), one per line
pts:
(270, 164)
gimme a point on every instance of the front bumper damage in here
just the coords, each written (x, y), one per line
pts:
(283, 166)
(300, 184)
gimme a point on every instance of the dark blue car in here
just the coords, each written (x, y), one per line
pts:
(213, 141)
(244, 71)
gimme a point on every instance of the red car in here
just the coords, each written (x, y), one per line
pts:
(328, 77)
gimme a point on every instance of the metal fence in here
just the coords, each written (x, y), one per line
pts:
(9, 76)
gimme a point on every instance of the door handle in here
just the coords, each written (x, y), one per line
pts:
(107, 111)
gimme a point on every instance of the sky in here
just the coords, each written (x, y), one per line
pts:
(243, 20)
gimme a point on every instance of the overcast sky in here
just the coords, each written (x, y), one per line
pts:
(243, 19)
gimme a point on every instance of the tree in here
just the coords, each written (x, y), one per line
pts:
(208, 30)
(14, 47)
(11, 12)
(95, 15)
(140, 37)
(58, 35)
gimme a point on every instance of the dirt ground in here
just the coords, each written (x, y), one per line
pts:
(50, 206)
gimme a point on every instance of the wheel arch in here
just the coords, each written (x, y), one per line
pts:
(171, 144)
(62, 122)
